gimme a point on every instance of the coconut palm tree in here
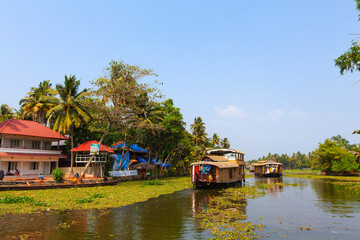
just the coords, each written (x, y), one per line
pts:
(225, 143)
(38, 102)
(215, 140)
(198, 131)
(69, 112)
(5, 112)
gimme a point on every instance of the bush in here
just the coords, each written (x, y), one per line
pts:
(58, 175)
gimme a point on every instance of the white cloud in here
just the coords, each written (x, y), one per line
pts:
(230, 111)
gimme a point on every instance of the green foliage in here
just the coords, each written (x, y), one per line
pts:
(38, 102)
(84, 200)
(350, 60)
(6, 112)
(332, 156)
(58, 175)
(22, 199)
(69, 111)
(16, 199)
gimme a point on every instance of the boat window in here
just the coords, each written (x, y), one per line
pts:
(230, 173)
(230, 156)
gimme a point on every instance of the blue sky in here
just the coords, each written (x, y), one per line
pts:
(260, 73)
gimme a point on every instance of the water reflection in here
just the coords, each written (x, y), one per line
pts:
(327, 208)
(336, 198)
(275, 184)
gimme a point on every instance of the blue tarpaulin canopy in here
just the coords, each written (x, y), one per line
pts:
(123, 160)
(126, 160)
(133, 147)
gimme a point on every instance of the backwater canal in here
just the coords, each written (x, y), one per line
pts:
(308, 209)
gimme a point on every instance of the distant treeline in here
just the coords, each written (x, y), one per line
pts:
(295, 161)
(335, 155)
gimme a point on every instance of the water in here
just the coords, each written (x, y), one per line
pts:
(315, 209)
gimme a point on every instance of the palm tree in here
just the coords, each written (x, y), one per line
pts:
(38, 102)
(215, 141)
(198, 131)
(69, 112)
(225, 143)
(5, 112)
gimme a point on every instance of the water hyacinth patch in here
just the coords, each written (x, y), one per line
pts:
(153, 182)
(225, 216)
(103, 197)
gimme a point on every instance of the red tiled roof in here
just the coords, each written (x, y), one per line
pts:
(85, 147)
(28, 128)
(11, 154)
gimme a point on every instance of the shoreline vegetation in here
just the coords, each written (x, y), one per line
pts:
(318, 174)
(103, 197)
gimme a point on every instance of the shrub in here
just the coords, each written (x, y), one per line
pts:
(58, 175)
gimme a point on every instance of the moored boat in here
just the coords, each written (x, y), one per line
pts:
(219, 168)
(268, 168)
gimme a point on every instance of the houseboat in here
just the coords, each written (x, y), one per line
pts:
(268, 168)
(251, 168)
(219, 168)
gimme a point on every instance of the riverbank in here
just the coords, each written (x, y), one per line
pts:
(103, 197)
(317, 174)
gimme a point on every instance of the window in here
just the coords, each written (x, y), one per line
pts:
(15, 143)
(34, 165)
(12, 166)
(0, 142)
(47, 145)
(35, 145)
(230, 173)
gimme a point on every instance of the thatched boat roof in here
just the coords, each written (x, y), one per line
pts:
(227, 164)
(268, 162)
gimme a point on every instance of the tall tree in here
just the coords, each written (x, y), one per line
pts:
(225, 143)
(117, 95)
(350, 60)
(215, 141)
(69, 112)
(38, 102)
(5, 112)
(331, 156)
(198, 131)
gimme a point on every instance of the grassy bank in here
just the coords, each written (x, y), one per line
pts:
(125, 193)
(301, 172)
(317, 174)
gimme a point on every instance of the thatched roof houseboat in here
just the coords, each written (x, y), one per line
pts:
(268, 168)
(219, 168)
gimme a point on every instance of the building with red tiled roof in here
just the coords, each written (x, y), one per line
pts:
(26, 146)
(83, 153)
(85, 147)
(28, 128)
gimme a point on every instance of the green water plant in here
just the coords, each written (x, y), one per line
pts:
(153, 182)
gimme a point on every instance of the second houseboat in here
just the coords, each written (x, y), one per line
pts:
(268, 168)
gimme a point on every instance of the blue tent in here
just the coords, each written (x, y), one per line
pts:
(125, 161)
(133, 147)
(162, 164)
